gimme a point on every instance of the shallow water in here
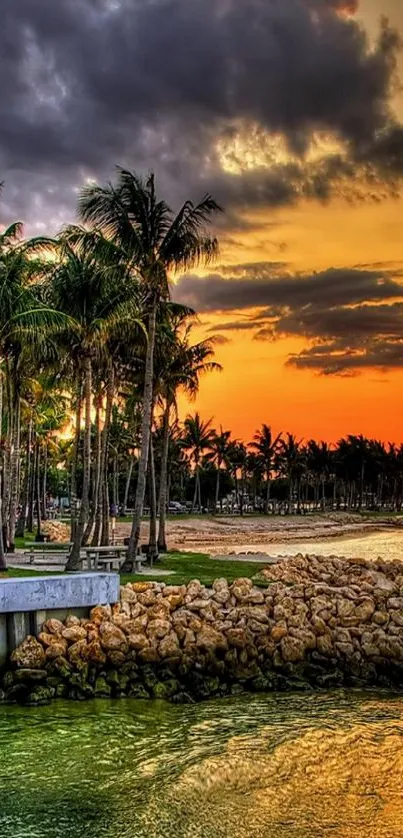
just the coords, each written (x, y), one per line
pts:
(387, 545)
(275, 766)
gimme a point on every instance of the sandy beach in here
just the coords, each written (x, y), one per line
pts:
(225, 534)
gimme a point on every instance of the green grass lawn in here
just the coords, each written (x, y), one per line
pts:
(187, 566)
(13, 572)
(184, 567)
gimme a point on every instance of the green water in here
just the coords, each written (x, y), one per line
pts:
(276, 766)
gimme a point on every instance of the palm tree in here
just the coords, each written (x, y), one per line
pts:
(219, 455)
(237, 454)
(153, 242)
(318, 460)
(27, 325)
(290, 461)
(179, 366)
(256, 471)
(99, 298)
(353, 455)
(198, 436)
(266, 448)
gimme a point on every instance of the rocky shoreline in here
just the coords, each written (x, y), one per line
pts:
(307, 623)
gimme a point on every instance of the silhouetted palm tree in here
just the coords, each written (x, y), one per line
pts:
(266, 447)
(219, 455)
(290, 462)
(197, 438)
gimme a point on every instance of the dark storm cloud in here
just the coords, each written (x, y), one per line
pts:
(334, 359)
(352, 317)
(352, 324)
(155, 83)
(334, 287)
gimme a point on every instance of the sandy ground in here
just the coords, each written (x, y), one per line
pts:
(263, 539)
(226, 534)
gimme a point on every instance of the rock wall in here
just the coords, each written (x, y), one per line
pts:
(309, 622)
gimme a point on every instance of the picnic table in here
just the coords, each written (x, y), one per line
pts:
(107, 558)
(47, 550)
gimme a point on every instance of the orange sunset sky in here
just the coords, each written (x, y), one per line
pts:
(290, 113)
(256, 385)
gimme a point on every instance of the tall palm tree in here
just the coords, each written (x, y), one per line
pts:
(237, 454)
(319, 461)
(27, 324)
(198, 436)
(99, 298)
(181, 365)
(266, 447)
(153, 242)
(220, 446)
(290, 461)
(256, 472)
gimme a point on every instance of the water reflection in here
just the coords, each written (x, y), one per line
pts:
(274, 766)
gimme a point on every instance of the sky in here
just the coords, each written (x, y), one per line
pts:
(290, 113)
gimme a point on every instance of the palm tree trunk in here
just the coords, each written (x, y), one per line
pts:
(145, 442)
(7, 456)
(105, 514)
(127, 485)
(241, 497)
(101, 528)
(290, 487)
(162, 501)
(194, 501)
(115, 484)
(20, 528)
(14, 463)
(74, 465)
(217, 489)
(198, 489)
(31, 486)
(74, 558)
(96, 470)
(362, 486)
(45, 479)
(236, 488)
(266, 506)
(38, 489)
(3, 563)
(152, 542)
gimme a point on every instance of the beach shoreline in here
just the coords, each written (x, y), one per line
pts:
(212, 534)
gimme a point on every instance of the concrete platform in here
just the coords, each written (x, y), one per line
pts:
(27, 602)
(76, 590)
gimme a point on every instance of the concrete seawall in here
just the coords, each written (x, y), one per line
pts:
(27, 602)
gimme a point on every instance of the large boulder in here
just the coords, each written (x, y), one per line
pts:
(30, 654)
(74, 633)
(292, 649)
(100, 614)
(169, 646)
(112, 637)
(209, 639)
(365, 610)
(158, 628)
(94, 653)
